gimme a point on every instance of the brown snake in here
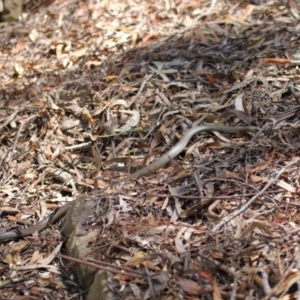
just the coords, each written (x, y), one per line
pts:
(164, 159)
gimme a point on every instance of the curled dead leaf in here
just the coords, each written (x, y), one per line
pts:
(190, 287)
(137, 258)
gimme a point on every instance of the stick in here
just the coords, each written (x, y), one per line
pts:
(244, 207)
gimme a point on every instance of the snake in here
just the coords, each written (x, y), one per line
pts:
(39, 226)
(152, 167)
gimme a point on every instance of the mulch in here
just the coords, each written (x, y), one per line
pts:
(92, 90)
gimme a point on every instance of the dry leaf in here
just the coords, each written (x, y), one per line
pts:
(286, 186)
(180, 247)
(190, 287)
(257, 224)
(262, 166)
(216, 290)
(137, 258)
(255, 178)
(86, 115)
(277, 61)
(228, 175)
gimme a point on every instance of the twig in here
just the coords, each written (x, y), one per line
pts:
(264, 280)
(101, 265)
(78, 146)
(137, 96)
(229, 270)
(244, 207)
(208, 12)
(234, 289)
(283, 278)
(213, 197)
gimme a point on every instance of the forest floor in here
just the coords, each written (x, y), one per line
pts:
(91, 90)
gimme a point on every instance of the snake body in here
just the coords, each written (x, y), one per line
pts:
(39, 226)
(179, 147)
(164, 159)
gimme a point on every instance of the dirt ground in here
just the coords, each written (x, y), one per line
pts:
(94, 90)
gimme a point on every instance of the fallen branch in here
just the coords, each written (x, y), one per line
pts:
(244, 207)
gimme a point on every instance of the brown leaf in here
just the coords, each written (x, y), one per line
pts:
(137, 258)
(286, 186)
(255, 178)
(190, 287)
(228, 174)
(257, 224)
(276, 61)
(216, 290)
(262, 166)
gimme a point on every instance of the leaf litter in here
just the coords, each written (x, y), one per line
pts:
(93, 90)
